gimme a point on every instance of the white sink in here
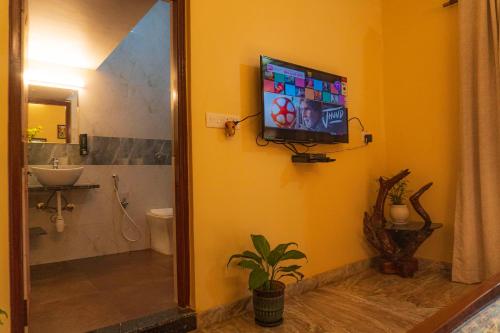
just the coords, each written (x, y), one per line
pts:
(57, 177)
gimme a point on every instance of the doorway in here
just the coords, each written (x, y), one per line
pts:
(19, 179)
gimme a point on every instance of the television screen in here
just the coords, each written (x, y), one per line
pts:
(302, 104)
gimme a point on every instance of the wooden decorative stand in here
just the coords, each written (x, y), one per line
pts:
(396, 243)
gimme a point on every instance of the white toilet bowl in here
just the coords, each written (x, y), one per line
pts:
(161, 223)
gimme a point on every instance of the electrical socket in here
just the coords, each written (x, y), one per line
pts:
(367, 137)
(218, 120)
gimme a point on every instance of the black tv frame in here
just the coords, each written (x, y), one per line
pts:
(294, 135)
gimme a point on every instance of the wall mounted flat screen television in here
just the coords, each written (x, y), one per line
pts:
(302, 105)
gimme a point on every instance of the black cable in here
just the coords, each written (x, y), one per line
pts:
(289, 146)
(308, 145)
(359, 121)
(250, 116)
(285, 145)
(261, 136)
(345, 149)
(294, 148)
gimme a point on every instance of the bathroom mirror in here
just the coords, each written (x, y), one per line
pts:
(52, 115)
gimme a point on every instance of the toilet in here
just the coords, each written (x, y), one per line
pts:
(160, 225)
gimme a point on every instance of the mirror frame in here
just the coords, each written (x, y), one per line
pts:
(67, 104)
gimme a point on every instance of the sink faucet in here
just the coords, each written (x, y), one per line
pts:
(55, 163)
(159, 156)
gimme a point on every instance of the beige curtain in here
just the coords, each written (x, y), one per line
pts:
(476, 253)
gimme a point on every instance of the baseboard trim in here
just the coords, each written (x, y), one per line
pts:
(423, 262)
(239, 307)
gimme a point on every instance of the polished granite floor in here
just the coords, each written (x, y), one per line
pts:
(86, 294)
(367, 302)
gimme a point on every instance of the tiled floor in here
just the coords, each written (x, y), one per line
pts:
(367, 302)
(86, 294)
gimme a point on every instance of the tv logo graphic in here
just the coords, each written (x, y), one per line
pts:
(332, 116)
(283, 112)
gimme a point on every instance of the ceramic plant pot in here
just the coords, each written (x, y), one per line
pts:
(399, 214)
(268, 305)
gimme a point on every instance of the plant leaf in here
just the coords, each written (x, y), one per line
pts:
(291, 275)
(252, 255)
(284, 247)
(293, 254)
(235, 256)
(277, 253)
(250, 264)
(291, 268)
(261, 245)
(296, 275)
(257, 278)
(245, 255)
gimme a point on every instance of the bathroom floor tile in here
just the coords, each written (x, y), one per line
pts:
(125, 277)
(150, 297)
(60, 288)
(49, 271)
(76, 314)
(86, 294)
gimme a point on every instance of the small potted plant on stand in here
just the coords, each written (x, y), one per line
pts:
(397, 197)
(266, 271)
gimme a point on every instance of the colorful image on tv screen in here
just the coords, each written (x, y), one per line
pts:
(303, 100)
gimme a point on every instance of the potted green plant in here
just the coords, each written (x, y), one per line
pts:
(4, 314)
(266, 270)
(32, 132)
(397, 196)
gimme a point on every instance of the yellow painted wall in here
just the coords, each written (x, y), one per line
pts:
(48, 117)
(421, 106)
(4, 231)
(240, 188)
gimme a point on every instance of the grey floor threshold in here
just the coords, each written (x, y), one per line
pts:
(175, 320)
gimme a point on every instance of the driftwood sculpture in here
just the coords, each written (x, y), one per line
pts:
(397, 245)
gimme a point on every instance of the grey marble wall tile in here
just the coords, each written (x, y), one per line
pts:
(105, 151)
(42, 153)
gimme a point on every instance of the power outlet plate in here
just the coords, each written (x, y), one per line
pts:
(367, 137)
(217, 120)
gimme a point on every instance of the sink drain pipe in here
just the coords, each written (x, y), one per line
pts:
(59, 218)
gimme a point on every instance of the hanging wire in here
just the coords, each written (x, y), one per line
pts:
(345, 149)
(359, 121)
(236, 122)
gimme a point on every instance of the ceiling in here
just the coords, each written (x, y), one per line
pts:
(80, 33)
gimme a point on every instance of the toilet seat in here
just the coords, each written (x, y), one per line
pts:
(162, 212)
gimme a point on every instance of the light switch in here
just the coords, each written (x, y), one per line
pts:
(217, 120)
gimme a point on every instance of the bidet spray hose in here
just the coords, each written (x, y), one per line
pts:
(115, 177)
